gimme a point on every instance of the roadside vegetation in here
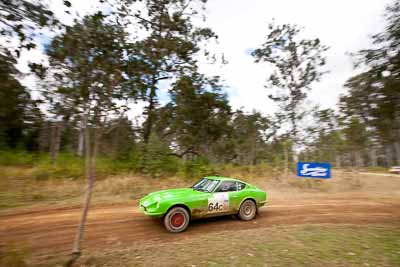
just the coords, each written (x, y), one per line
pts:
(70, 135)
(32, 179)
(302, 245)
(305, 245)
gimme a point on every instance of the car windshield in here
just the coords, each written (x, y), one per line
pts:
(205, 185)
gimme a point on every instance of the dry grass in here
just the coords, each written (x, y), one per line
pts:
(303, 245)
(130, 186)
(279, 246)
(18, 188)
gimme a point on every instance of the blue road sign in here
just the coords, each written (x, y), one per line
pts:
(314, 170)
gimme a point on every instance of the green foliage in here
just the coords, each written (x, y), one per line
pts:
(20, 118)
(170, 50)
(296, 66)
(90, 56)
(118, 139)
(249, 136)
(197, 116)
(355, 134)
(373, 95)
(198, 167)
(327, 138)
(66, 167)
(156, 160)
(17, 158)
(20, 19)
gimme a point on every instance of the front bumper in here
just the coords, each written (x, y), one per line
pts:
(262, 203)
(151, 213)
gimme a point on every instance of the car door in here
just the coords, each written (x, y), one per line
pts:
(237, 196)
(224, 199)
(199, 202)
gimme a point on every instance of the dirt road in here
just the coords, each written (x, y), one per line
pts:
(51, 231)
(381, 174)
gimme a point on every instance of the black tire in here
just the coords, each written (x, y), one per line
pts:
(248, 210)
(177, 220)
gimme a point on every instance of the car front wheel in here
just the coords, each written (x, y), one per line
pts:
(247, 210)
(177, 220)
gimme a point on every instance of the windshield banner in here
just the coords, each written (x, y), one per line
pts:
(314, 170)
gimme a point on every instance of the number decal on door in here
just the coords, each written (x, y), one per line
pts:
(215, 207)
(218, 203)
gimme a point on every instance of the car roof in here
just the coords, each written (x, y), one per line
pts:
(222, 178)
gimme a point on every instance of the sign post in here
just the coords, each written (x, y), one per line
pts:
(314, 170)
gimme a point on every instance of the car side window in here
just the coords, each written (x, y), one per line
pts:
(227, 186)
(240, 186)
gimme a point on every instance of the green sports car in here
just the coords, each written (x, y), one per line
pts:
(211, 196)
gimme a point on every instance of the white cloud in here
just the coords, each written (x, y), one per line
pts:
(343, 25)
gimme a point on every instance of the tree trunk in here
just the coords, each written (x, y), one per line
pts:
(295, 157)
(81, 139)
(150, 114)
(90, 172)
(52, 140)
(45, 136)
(338, 162)
(396, 144)
(254, 157)
(373, 157)
(396, 147)
(55, 141)
(358, 159)
(286, 159)
(388, 155)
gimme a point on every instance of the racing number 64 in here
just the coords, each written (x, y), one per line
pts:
(215, 206)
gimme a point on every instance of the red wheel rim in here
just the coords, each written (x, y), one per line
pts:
(177, 220)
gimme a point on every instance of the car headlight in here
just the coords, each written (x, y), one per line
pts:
(153, 205)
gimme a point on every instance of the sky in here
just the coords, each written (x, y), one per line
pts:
(343, 25)
(241, 26)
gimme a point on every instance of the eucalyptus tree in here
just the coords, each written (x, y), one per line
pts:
(296, 65)
(249, 135)
(20, 20)
(356, 139)
(88, 81)
(326, 139)
(197, 116)
(19, 114)
(170, 49)
(374, 94)
(361, 102)
(20, 23)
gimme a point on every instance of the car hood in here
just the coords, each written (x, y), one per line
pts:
(168, 195)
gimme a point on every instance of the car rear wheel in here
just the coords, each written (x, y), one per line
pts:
(177, 220)
(247, 210)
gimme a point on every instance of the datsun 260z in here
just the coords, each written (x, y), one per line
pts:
(211, 196)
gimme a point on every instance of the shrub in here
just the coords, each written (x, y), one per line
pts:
(197, 168)
(17, 158)
(156, 160)
(66, 166)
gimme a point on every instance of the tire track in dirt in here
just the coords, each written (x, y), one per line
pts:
(51, 231)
